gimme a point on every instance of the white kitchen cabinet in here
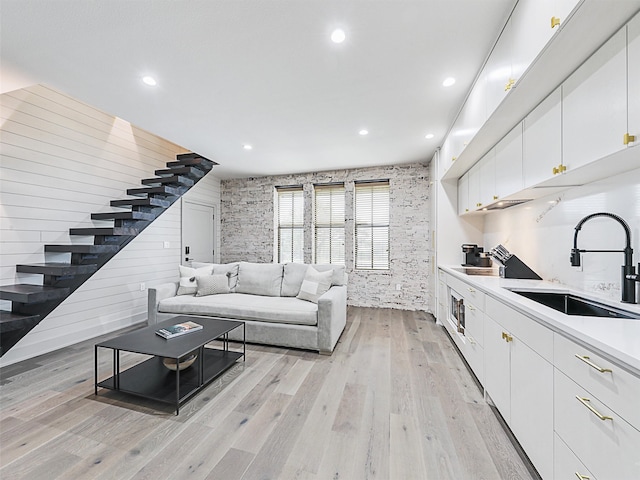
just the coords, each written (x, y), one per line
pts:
(497, 367)
(519, 379)
(508, 164)
(633, 83)
(532, 405)
(497, 71)
(603, 441)
(487, 179)
(594, 105)
(542, 141)
(463, 194)
(566, 464)
(474, 187)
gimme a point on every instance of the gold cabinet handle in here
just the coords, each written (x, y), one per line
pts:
(582, 477)
(586, 360)
(627, 139)
(471, 340)
(559, 169)
(495, 197)
(466, 209)
(506, 337)
(471, 290)
(585, 402)
(453, 159)
(472, 308)
(509, 84)
(555, 21)
(479, 204)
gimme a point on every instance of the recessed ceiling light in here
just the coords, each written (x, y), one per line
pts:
(338, 35)
(448, 81)
(247, 147)
(363, 132)
(150, 81)
(429, 136)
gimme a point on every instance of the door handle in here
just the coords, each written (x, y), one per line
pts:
(186, 250)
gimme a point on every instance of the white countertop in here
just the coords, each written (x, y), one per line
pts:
(616, 339)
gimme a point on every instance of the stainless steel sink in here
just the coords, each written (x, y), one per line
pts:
(574, 305)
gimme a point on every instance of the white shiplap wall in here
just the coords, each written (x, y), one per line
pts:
(60, 161)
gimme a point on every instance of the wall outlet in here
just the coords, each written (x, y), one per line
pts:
(143, 287)
(398, 286)
(167, 245)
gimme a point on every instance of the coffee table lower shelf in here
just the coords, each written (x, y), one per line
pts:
(151, 379)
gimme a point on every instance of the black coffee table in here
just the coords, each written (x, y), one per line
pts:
(151, 379)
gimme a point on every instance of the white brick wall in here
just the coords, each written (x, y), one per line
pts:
(247, 230)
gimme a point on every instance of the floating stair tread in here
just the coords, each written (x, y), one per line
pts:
(123, 216)
(57, 269)
(166, 190)
(150, 201)
(199, 162)
(25, 293)
(82, 248)
(177, 179)
(187, 170)
(192, 155)
(105, 232)
(10, 321)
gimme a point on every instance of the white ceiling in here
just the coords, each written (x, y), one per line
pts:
(262, 72)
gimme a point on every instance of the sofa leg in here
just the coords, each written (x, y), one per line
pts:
(325, 352)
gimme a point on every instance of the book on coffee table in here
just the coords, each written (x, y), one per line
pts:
(178, 329)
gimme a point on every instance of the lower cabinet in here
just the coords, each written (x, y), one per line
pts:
(520, 383)
(596, 412)
(566, 465)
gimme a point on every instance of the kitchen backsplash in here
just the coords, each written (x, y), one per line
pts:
(541, 233)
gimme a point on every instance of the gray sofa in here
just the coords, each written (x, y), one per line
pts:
(268, 298)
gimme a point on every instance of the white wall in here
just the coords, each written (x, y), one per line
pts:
(60, 161)
(541, 233)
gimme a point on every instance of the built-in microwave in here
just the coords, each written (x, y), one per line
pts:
(456, 310)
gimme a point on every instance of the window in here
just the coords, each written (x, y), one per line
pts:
(372, 225)
(329, 224)
(290, 224)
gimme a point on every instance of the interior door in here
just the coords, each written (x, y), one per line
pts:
(197, 232)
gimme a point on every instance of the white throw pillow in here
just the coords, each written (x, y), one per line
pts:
(212, 285)
(260, 278)
(188, 284)
(315, 284)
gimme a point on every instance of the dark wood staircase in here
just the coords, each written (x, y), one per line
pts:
(30, 304)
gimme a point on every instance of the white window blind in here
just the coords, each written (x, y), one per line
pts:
(372, 225)
(290, 224)
(329, 224)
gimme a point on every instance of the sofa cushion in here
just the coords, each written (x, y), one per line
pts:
(315, 284)
(260, 278)
(338, 272)
(244, 307)
(229, 269)
(212, 285)
(188, 285)
(292, 279)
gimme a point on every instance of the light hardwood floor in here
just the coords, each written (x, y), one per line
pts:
(394, 401)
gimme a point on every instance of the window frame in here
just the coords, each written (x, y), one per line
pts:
(372, 224)
(334, 191)
(296, 194)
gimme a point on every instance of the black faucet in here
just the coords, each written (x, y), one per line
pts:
(628, 270)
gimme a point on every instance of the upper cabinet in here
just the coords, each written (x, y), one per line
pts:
(542, 43)
(633, 83)
(542, 143)
(594, 105)
(508, 164)
(585, 130)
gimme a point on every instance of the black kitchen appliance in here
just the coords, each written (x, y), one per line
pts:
(512, 266)
(474, 256)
